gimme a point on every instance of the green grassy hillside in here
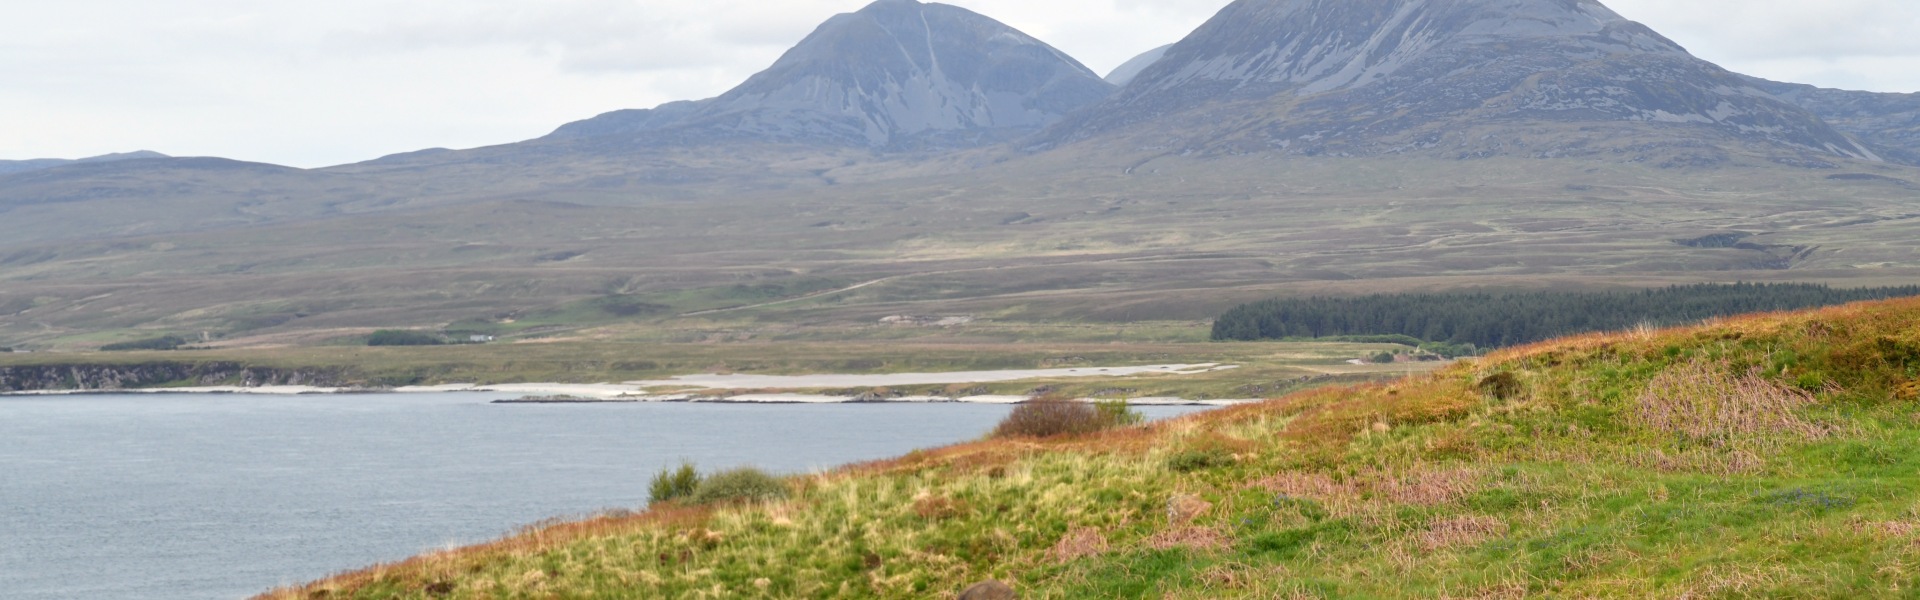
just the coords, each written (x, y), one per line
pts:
(1771, 455)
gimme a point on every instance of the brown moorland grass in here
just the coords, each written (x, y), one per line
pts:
(1565, 487)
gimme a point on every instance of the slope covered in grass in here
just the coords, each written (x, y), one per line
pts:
(1767, 455)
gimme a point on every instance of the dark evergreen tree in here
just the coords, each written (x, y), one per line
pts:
(1465, 322)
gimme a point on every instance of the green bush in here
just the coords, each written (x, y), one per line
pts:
(739, 485)
(1446, 350)
(170, 342)
(1117, 413)
(674, 484)
(397, 337)
(1383, 358)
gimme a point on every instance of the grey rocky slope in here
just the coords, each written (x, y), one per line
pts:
(1465, 77)
(1890, 122)
(896, 74)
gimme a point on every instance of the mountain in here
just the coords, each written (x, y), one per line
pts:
(1298, 146)
(1886, 121)
(1124, 74)
(1465, 78)
(897, 74)
(8, 167)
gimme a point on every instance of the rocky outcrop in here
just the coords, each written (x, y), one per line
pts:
(109, 377)
(989, 590)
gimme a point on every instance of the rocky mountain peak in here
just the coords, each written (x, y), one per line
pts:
(1366, 77)
(896, 74)
(1325, 45)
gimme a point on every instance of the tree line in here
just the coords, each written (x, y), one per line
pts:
(1464, 322)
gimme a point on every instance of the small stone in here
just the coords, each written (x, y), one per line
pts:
(763, 583)
(988, 590)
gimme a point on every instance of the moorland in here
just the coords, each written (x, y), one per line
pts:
(1768, 455)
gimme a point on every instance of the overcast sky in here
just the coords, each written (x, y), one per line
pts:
(310, 84)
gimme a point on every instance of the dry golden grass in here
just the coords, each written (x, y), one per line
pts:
(1457, 532)
(1701, 401)
(1415, 487)
(1723, 463)
(1191, 538)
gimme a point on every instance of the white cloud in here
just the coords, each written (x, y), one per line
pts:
(1854, 44)
(317, 83)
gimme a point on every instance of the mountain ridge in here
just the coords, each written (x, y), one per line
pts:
(9, 167)
(1887, 120)
(1361, 79)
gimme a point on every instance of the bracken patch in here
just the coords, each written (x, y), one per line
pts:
(1900, 531)
(1191, 538)
(1909, 391)
(940, 508)
(1431, 488)
(1077, 544)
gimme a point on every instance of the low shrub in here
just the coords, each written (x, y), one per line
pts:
(1503, 386)
(1188, 461)
(398, 337)
(170, 342)
(1050, 416)
(1208, 451)
(739, 485)
(674, 484)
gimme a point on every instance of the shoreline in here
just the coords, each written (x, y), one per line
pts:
(789, 399)
(742, 399)
(689, 388)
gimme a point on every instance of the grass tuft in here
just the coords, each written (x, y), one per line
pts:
(1700, 402)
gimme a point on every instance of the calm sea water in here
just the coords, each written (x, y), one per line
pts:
(220, 496)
